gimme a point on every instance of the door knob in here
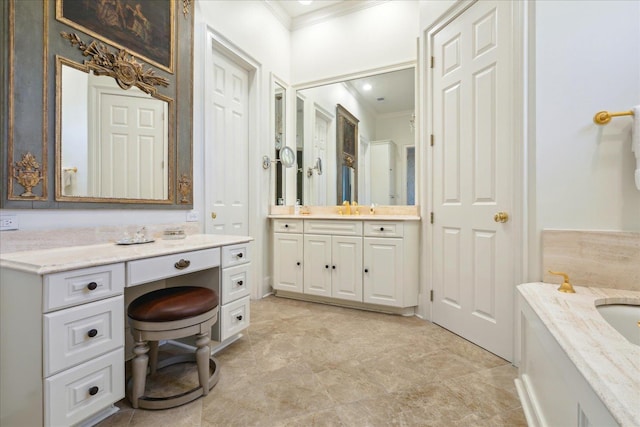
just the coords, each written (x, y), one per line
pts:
(501, 217)
(213, 215)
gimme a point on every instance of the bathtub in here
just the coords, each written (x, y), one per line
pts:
(576, 369)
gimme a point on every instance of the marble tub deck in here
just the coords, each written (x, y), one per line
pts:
(607, 360)
(306, 364)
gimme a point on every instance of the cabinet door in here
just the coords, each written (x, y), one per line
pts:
(346, 268)
(383, 278)
(317, 265)
(287, 262)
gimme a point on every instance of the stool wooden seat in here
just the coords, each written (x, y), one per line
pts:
(171, 313)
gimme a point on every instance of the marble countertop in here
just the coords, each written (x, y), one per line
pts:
(607, 360)
(361, 217)
(48, 261)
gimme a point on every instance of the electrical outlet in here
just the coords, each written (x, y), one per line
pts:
(8, 222)
(193, 216)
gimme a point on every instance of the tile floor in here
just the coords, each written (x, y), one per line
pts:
(305, 364)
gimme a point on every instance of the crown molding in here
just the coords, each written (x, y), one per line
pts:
(317, 16)
(279, 13)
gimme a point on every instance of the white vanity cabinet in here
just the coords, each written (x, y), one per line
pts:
(287, 255)
(63, 319)
(234, 292)
(333, 264)
(362, 262)
(62, 345)
(391, 263)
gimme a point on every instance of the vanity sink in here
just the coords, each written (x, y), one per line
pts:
(625, 318)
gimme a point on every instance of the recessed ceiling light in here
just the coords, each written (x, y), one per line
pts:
(366, 86)
(305, 2)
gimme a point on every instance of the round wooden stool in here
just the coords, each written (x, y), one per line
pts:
(172, 313)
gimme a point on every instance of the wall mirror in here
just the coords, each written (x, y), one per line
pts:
(111, 143)
(52, 157)
(378, 113)
(279, 140)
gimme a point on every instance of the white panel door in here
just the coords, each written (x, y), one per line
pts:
(473, 262)
(131, 159)
(226, 146)
(317, 265)
(346, 268)
(320, 136)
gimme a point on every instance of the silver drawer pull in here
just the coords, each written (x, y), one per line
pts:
(182, 264)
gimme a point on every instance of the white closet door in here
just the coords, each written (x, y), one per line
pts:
(226, 146)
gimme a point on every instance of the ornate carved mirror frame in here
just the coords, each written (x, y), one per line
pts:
(32, 37)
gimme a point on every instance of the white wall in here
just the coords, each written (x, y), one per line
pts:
(371, 38)
(585, 171)
(587, 59)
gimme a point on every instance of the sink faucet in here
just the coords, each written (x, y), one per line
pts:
(347, 207)
(566, 286)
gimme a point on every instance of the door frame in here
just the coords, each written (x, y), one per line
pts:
(519, 53)
(214, 40)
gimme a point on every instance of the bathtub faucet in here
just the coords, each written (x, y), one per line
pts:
(566, 286)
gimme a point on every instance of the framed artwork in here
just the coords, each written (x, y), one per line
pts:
(145, 28)
(347, 154)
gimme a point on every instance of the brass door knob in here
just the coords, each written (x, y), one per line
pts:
(501, 217)
(213, 215)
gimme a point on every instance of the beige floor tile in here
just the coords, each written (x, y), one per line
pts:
(306, 364)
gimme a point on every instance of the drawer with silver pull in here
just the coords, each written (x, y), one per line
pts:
(235, 283)
(161, 267)
(234, 318)
(80, 333)
(383, 229)
(75, 287)
(236, 254)
(73, 395)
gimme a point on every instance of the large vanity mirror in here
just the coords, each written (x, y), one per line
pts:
(111, 144)
(362, 132)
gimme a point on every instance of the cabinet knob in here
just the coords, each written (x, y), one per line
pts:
(240, 255)
(333, 266)
(239, 317)
(381, 228)
(366, 270)
(286, 226)
(326, 266)
(92, 333)
(239, 282)
(94, 390)
(298, 263)
(92, 286)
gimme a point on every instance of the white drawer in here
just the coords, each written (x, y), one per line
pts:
(340, 227)
(287, 225)
(235, 283)
(236, 254)
(234, 317)
(80, 333)
(75, 394)
(383, 229)
(150, 269)
(80, 286)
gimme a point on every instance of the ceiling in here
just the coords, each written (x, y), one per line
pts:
(390, 92)
(295, 9)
